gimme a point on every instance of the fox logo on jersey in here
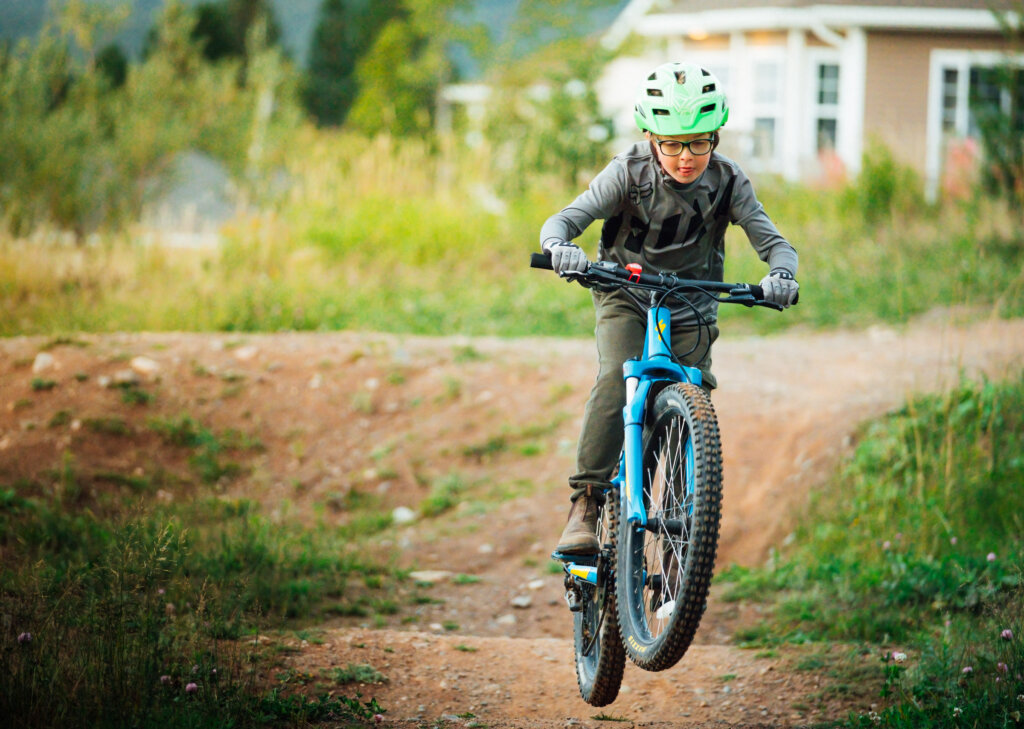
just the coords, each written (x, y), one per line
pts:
(639, 192)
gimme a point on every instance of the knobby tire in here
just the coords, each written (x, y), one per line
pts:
(663, 576)
(600, 657)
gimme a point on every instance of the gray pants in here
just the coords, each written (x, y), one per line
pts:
(620, 335)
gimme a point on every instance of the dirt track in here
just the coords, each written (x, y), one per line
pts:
(386, 415)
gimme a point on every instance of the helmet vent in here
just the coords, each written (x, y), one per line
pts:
(705, 72)
(654, 92)
(653, 76)
(680, 76)
(664, 112)
(706, 108)
(707, 88)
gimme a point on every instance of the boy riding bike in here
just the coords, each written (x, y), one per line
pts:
(666, 203)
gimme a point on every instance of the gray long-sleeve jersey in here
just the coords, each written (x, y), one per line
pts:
(668, 227)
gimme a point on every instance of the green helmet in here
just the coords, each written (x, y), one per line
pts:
(680, 98)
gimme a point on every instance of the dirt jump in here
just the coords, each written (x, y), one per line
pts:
(389, 415)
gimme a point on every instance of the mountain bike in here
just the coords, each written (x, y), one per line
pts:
(642, 596)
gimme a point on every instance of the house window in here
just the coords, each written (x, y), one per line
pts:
(963, 85)
(766, 83)
(828, 83)
(764, 139)
(767, 111)
(826, 107)
(950, 78)
(826, 134)
(970, 88)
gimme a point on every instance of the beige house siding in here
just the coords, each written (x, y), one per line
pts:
(896, 88)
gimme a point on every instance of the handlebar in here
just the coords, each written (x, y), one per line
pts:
(611, 275)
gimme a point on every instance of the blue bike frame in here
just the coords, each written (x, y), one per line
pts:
(656, 364)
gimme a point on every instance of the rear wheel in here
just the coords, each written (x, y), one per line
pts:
(600, 658)
(665, 568)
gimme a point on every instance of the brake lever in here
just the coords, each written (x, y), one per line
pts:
(742, 295)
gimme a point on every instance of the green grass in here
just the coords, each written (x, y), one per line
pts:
(208, 448)
(357, 673)
(444, 495)
(112, 611)
(917, 547)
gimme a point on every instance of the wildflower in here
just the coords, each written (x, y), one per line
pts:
(899, 657)
(952, 540)
(195, 669)
(161, 591)
(378, 718)
(1002, 667)
(165, 679)
(957, 711)
(967, 670)
(213, 671)
(191, 688)
(886, 545)
(25, 638)
(874, 717)
(991, 557)
(1005, 635)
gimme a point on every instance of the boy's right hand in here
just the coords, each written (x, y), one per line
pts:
(568, 257)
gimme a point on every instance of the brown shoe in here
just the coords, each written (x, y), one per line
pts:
(580, 533)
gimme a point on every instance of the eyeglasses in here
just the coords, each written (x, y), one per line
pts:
(674, 148)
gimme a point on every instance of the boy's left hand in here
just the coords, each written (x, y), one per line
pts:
(568, 257)
(780, 287)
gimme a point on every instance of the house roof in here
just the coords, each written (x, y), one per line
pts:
(696, 6)
(674, 17)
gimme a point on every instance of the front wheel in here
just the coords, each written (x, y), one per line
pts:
(664, 569)
(600, 658)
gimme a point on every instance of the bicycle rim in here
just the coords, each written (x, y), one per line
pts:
(665, 571)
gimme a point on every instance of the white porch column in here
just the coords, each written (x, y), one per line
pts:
(795, 97)
(740, 86)
(852, 72)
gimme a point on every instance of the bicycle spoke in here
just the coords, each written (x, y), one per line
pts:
(669, 496)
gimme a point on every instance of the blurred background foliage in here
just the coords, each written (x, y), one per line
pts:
(355, 196)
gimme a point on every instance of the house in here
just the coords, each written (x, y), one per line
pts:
(815, 82)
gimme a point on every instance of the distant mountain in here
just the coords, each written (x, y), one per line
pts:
(297, 18)
(24, 18)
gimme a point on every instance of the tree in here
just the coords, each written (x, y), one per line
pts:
(221, 28)
(346, 30)
(400, 77)
(113, 65)
(213, 31)
(549, 120)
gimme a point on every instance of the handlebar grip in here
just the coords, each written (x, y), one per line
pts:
(541, 260)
